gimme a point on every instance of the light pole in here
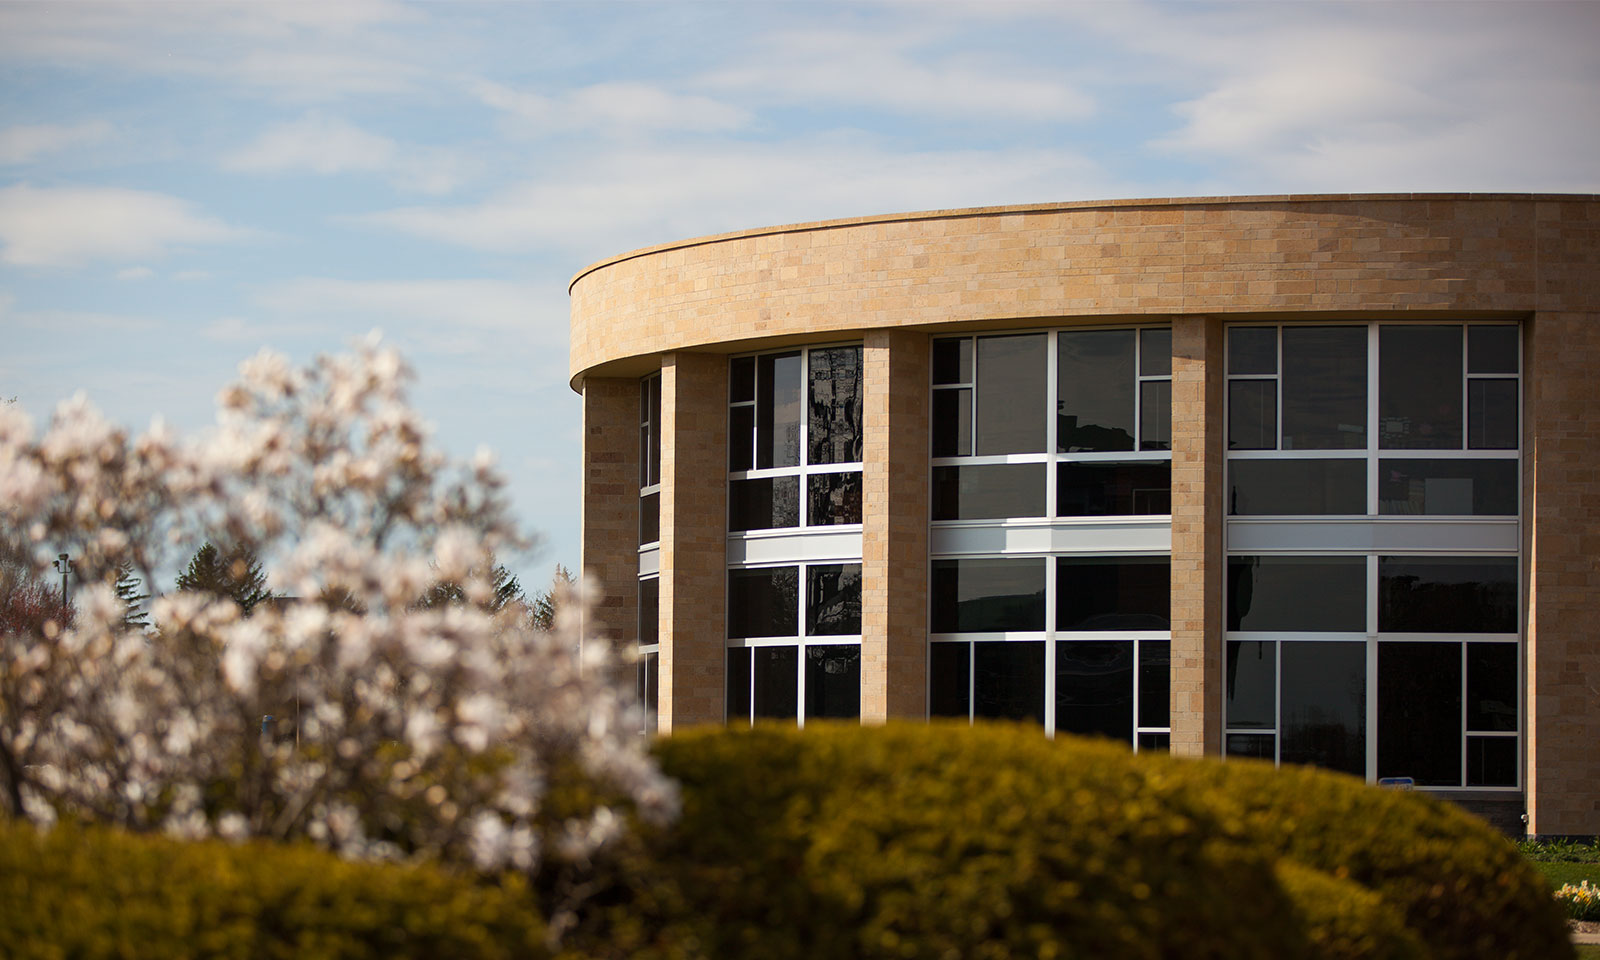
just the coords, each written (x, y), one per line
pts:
(64, 564)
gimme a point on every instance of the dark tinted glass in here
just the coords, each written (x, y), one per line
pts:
(834, 498)
(1094, 390)
(952, 361)
(833, 599)
(1419, 387)
(1448, 487)
(1252, 684)
(1011, 395)
(1324, 388)
(1155, 352)
(1155, 742)
(649, 611)
(1252, 414)
(763, 603)
(1155, 415)
(834, 432)
(1252, 349)
(739, 685)
(949, 679)
(1126, 593)
(778, 410)
(653, 387)
(1155, 683)
(1447, 594)
(1297, 593)
(1419, 712)
(988, 491)
(650, 518)
(763, 503)
(1491, 761)
(1113, 489)
(648, 690)
(741, 438)
(1008, 680)
(1257, 746)
(1492, 349)
(1492, 686)
(1492, 414)
(741, 379)
(1094, 689)
(952, 423)
(775, 684)
(1258, 488)
(1324, 711)
(833, 681)
(970, 596)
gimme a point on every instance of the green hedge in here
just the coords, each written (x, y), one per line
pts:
(96, 893)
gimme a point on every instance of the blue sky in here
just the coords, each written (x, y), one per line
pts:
(184, 183)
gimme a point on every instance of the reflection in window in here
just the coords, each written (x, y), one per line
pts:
(777, 410)
(1094, 689)
(1448, 487)
(1419, 387)
(649, 611)
(1124, 593)
(987, 595)
(649, 518)
(833, 681)
(1011, 394)
(763, 503)
(1492, 687)
(773, 682)
(834, 433)
(1297, 593)
(1252, 414)
(988, 491)
(1102, 489)
(1323, 709)
(833, 599)
(1008, 680)
(834, 498)
(1296, 487)
(1447, 594)
(1491, 413)
(646, 691)
(1251, 684)
(1095, 381)
(1324, 388)
(763, 602)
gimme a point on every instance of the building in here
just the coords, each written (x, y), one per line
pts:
(1310, 478)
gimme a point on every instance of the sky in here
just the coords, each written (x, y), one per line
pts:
(182, 184)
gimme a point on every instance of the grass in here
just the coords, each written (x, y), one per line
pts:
(1588, 951)
(1564, 861)
(1559, 873)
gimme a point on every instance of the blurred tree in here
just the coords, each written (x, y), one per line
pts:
(237, 575)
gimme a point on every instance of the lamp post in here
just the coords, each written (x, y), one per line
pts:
(64, 564)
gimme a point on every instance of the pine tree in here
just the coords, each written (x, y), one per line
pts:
(134, 617)
(547, 603)
(507, 589)
(238, 576)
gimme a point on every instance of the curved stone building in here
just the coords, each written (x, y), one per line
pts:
(1308, 478)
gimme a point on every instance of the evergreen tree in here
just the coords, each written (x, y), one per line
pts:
(236, 575)
(546, 603)
(134, 617)
(507, 589)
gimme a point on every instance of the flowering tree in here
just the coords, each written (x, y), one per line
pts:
(395, 729)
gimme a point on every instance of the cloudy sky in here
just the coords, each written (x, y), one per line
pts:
(184, 183)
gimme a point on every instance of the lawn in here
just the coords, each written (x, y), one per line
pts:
(1588, 951)
(1559, 873)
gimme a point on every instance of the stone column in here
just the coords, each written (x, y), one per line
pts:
(1198, 565)
(694, 537)
(609, 549)
(894, 537)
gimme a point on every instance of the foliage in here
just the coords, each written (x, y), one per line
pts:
(400, 731)
(126, 587)
(99, 893)
(1581, 900)
(506, 590)
(236, 575)
(1560, 851)
(546, 606)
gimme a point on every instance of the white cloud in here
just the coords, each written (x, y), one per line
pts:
(328, 145)
(493, 305)
(43, 226)
(614, 108)
(25, 143)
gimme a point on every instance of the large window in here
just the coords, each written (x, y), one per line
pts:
(650, 459)
(794, 642)
(647, 683)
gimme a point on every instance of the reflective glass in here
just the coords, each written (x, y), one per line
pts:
(1155, 352)
(1155, 415)
(834, 498)
(1155, 743)
(1324, 388)
(775, 682)
(1011, 395)
(1252, 349)
(1094, 390)
(655, 429)
(739, 685)
(763, 603)
(1008, 680)
(833, 681)
(834, 432)
(988, 491)
(1257, 746)
(778, 410)
(1492, 686)
(1094, 689)
(949, 679)
(952, 423)
(1447, 594)
(1297, 593)
(1448, 487)
(1492, 414)
(1252, 414)
(1259, 488)
(1419, 712)
(1252, 684)
(741, 379)
(1491, 761)
(833, 599)
(1323, 716)
(649, 611)
(1492, 349)
(1123, 593)
(1113, 489)
(648, 688)
(1155, 683)
(741, 438)
(971, 596)
(1419, 387)
(763, 503)
(650, 518)
(952, 361)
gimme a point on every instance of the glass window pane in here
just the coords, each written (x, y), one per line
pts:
(1324, 388)
(952, 423)
(1155, 352)
(1252, 414)
(970, 596)
(1126, 593)
(1492, 414)
(833, 599)
(949, 679)
(1155, 415)
(655, 429)
(1155, 743)
(763, 603)
(952, 361)
(1252, 684)
(1419, 712)
(1492, 686)
(649, 611)
(1324, 710)
(763, 503)
(1491, 761)
(988, 491)
(1492, 349)
(833, 681)
(834, 498)
(1257, 746)
(739, 686)
(1447, 594)
(1448, 487)
(649, 689)
(741, 379)
(645, 479)
(778, 410)
(775, 685)
(1113, 489)
(1252, 349)
(1260, 488)
(1011, 395)
(1419, 387)
(650, 518)
(1008, 680)
(1094, 390)
(741, 438)
(1155, 683)
(1094, 689)
(834, 432)
(1297, 593)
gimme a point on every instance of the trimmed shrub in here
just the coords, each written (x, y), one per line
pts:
(1346, 920)
(95, 893)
